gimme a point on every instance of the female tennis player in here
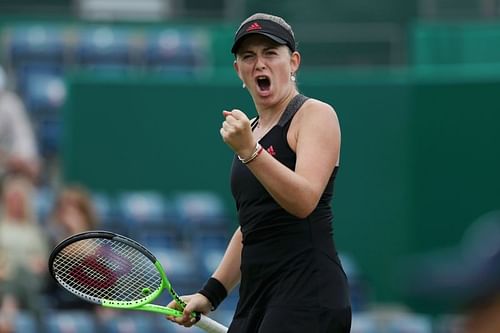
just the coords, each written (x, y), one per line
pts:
(286, 158)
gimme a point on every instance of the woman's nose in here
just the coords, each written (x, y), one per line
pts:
(260, 63)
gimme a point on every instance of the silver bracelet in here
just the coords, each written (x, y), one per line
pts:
(257, 151)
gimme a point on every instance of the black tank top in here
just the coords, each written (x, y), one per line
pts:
(285, 260)
(259, 215)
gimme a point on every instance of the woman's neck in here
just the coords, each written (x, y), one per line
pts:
(269, 115)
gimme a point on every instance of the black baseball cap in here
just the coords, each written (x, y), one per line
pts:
(268, 28)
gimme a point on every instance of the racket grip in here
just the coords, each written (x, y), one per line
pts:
(210, 325)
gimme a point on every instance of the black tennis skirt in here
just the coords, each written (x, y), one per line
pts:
(292, 286)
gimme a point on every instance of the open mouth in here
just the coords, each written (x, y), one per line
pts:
(264, 83)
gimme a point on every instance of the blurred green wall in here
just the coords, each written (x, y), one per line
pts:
(420, 156)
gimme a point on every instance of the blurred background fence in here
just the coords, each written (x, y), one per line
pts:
(128, 98)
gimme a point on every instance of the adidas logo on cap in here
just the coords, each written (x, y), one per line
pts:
(254, 26)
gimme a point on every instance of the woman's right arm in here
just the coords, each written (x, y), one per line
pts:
(227, 273)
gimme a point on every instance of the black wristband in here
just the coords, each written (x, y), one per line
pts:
(214, 291)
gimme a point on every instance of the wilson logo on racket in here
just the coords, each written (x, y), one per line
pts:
(93, 273)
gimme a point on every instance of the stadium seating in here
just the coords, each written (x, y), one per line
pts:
(24, 322)
(142, 207)
(148, 216)
(175, 51)
(388, 321)
(125, 322)
(105, 47)
(105, 208)
(42, 44)
(412, 323)
(39, 55)
(210, 250)
(200, 213)
(363, 323)
(180, 265)
(70, 322)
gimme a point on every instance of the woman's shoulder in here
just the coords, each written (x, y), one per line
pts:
(318, 105)
(316, 116)
(315, 109)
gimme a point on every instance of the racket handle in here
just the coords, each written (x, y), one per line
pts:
(210, 325)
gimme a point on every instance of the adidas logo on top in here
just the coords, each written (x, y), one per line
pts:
(254, 26)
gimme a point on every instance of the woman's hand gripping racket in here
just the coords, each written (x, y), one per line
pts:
(116, 272)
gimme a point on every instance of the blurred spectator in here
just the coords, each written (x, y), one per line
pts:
(73, 212)
(18, 149)
(467, 276)
(23, 251)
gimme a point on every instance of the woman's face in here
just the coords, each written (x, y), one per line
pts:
(266, 67)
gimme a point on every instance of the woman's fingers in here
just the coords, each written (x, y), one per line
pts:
(195, 303)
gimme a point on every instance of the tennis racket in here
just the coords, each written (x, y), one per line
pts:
(116, 272)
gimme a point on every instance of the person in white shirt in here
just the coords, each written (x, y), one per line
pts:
(18, 147)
